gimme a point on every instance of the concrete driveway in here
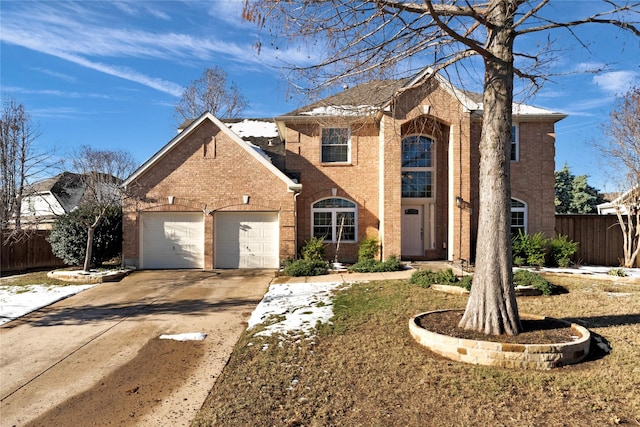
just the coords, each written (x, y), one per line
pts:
(61, 351)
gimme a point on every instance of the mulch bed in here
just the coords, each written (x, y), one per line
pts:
(545, 331)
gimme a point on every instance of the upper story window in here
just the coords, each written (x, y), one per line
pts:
(417, 167)
(334, 219)
(515, 143)
(336, 145)
(518, 217)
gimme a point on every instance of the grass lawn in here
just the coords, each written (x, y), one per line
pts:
(38, 278)
(366, 370)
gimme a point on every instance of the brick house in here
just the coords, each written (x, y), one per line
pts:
(397, 160)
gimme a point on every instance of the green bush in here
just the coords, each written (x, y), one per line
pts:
(368, 248)
(426, 278)
(619, 272)
(314, 249)
(368, 265)
(529, 247)
(312, 262)
(561, 251)
(529, 278)
(465, 282)
(306, 267)
(68, 236)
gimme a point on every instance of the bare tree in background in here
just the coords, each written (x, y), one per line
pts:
(377, 37)
(103, 172)
(213, 93)
(621, 150)
(21, 164)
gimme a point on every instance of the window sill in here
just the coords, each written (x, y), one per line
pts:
(332, 164)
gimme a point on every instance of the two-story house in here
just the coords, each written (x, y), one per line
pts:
(397, 160)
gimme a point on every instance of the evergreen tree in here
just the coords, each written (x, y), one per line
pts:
(574, 194)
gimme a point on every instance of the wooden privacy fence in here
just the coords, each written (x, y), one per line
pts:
(31, 252)
(599, 236)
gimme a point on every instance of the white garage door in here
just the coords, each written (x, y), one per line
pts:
(172, 240)
(246, 240)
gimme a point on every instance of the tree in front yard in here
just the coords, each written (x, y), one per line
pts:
(621, 150)
(365, 39)
(102, 172)
(68, 236)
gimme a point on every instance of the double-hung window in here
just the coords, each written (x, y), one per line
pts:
(334, 219)
(336, 145)
(518, 217)
(417, 167)
(515, 143)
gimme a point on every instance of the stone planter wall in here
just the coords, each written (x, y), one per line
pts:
(527, 356)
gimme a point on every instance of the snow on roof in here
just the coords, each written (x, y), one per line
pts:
(341, 110)
(250, 129)
(254, 128)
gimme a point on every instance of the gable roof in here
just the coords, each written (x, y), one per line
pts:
(372, 97)
(250, 149)
(67, 187)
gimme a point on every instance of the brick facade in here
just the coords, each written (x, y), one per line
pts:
(207, 171)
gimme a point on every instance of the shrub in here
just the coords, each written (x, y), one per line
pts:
(529, 247)
(68, 236)
(561, 250)
(368, 265)
(619, 272)
(312, 262)
(466, 282)
(529, 278)
(306, 267)
(426, 278)
(314, 249)
(368, 248)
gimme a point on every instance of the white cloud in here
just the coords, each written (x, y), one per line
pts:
(616, 82)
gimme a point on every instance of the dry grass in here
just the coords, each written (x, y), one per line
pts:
(38, 278)
(365, 369)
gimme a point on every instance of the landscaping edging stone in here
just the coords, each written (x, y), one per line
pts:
(91, 277)
(523, 356)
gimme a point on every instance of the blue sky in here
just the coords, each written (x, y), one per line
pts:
(109, 74)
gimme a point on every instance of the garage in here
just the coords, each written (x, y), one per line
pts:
(246, 240)
(172, 240)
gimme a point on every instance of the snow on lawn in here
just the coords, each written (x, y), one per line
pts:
(16, 301)
(297, 307)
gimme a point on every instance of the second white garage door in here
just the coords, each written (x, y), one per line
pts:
(246, 240)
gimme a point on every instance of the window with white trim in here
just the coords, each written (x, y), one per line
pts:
(417, 167)
(518, 217)
(336, 145)
(334, 219)
(515, 143)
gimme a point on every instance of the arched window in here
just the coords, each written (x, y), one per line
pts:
(417, 167)
(334, 219)
(518, 216)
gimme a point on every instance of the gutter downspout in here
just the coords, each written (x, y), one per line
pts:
(295, 224)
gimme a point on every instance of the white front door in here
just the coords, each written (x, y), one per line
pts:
(412, 230)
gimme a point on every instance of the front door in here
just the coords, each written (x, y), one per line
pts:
(412, 230)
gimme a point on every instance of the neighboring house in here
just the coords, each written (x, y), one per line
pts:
(620, 202)
(397, 160)
(50, 198)
(46, 200)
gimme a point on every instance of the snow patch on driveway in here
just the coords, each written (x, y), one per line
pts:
(16, 301)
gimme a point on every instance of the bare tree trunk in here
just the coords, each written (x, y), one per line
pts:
(89, 250)
(492, 306)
